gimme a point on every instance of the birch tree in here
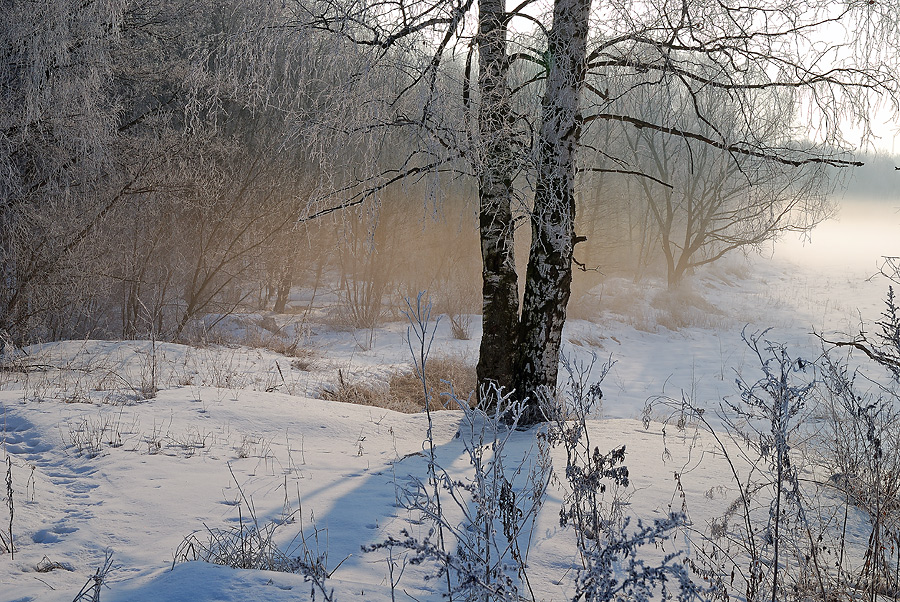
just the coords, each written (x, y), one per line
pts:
(548, 277)
(827, 64)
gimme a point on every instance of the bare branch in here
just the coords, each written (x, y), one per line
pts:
(737, 148)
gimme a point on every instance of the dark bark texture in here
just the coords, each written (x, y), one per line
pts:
(549, 273)
(499, 341)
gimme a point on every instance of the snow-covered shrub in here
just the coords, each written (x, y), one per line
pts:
(858, 447)
(612, 565)
(776, 540)
(860, 450)
(768, 417)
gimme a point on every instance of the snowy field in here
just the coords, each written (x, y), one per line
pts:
(234, 434)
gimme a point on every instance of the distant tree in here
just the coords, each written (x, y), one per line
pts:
(706, 202)
(263, 148)
(150, 153)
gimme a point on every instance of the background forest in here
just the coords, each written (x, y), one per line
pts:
(165, 163)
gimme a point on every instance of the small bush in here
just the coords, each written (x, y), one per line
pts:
(90, 436)
(290, 347)
(684, 307)
(645, 307)
(461, 326)
(251, 545)
(244, 546)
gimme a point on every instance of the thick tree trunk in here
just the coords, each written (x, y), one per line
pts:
(496, 360)
(549, 272)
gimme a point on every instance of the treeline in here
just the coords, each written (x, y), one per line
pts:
(877, 180)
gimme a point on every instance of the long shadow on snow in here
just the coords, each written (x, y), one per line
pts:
(366, 512)
(374, 509)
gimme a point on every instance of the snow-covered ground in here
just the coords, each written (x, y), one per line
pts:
(100, 465)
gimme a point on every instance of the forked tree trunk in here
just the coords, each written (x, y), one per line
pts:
(523, 353)
(500, 293)
(549, 273)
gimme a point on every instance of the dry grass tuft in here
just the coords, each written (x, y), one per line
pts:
(648, 308)
(403, 392)
(684, 307)
(443, 375)
(277, 342)
(359, 393)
